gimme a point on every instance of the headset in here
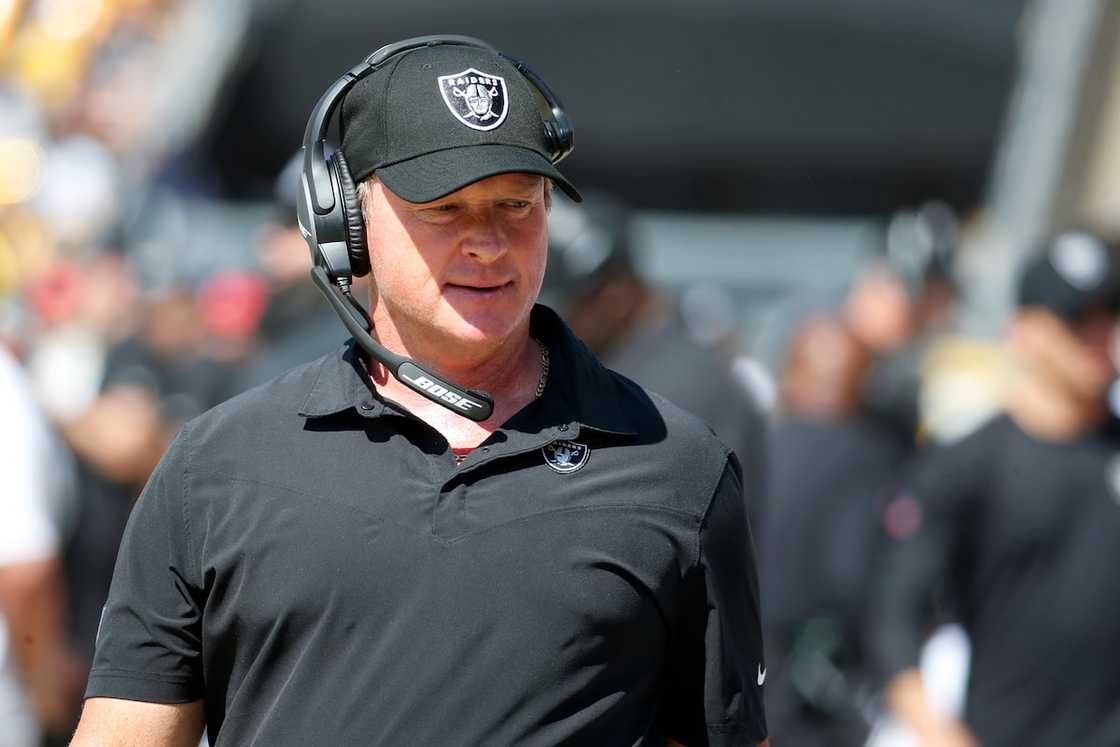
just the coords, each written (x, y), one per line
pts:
(330, 219)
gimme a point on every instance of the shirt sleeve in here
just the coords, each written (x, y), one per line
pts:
(149, 640)
(715, 666)
(927, 539)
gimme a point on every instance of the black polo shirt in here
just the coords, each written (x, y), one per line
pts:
(1021, 539)
(310, 560)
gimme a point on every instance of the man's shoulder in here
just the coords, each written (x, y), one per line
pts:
(651, 439)
(966, 467)
(258, 414)
(652, 413)
(677, 446)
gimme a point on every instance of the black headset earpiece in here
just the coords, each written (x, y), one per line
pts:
(352, 216)
(559, 131)
(331, 221)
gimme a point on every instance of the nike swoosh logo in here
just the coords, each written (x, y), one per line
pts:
(761, 675)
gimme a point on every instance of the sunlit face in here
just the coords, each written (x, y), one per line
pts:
(465, 269)
(1076, 354)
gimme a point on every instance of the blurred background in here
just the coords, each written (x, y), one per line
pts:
(827, 202)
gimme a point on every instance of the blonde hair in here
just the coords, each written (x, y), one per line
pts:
(363, 194)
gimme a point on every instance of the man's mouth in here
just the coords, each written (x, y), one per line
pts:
(480, 289)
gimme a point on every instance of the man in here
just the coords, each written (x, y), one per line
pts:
(1018, 528)
(334, 559)
(815, 611)
(899, 309)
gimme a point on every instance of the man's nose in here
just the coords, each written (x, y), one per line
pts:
(484, 240)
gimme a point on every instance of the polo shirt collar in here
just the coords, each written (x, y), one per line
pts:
(341, 383)
(580, 391)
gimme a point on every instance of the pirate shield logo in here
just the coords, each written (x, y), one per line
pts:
(478, 100)
(565, 456)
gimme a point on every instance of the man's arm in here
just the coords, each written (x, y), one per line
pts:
(920, 558)
(712, 693)
(907, 698)
(109, 722)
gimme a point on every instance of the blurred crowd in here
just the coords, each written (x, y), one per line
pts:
(874, 439)
(119, 320)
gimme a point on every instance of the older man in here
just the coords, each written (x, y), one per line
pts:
(336, 558)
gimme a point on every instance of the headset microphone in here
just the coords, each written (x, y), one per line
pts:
(469, 403)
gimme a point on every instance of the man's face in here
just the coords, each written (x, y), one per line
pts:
(1076, 354)
(1097, 332)
(464, 269)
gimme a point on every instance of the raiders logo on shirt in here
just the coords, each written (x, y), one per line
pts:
(565, 456)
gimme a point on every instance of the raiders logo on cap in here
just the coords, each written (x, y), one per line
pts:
(565, 456)
(478, 100)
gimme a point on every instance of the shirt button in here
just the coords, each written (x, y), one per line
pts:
(485, 449)
(367, 406)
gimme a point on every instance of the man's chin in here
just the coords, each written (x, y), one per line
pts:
(482, 323)
(480, 333)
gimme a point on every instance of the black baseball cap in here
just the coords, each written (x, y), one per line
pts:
(436, 118)
(1074, 274)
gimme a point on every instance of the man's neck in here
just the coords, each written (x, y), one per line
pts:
(510, 374)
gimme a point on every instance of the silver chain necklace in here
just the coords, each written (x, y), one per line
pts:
(542, 382)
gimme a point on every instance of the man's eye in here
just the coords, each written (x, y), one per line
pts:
(441, 209)
(517, 204)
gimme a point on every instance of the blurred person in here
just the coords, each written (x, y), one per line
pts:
(1015, 530)
(37, 676)
(297, 325)
(170, 355)
(231, 304)
(644, 333)
(152, 381)
(343, 556)
(140, 356)
(900, 306)
(821, 536)
(80, 309)
(823, 378)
